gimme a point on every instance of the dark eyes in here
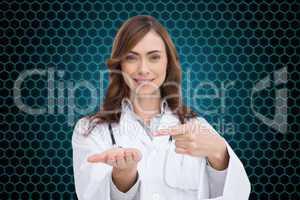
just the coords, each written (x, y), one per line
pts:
(130, 57)
(133, 57)
(155, 57)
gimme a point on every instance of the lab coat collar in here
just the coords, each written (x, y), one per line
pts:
(129, 123)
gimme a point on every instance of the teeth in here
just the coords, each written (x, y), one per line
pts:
(143, 81)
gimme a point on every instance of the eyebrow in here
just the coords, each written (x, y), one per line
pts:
(150, 52)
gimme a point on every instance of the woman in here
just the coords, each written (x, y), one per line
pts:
(144, 143)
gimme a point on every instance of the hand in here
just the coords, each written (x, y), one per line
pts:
(197, 139)
(119, 158)
(124, 162)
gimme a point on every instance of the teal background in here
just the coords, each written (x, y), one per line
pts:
(218, 42)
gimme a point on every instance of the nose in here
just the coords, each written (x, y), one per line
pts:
(144, 68)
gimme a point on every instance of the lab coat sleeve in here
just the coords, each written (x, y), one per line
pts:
(236, 183)
(216, 180)
(132, 194)
(91, 179)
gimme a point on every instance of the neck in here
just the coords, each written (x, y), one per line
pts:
(146, 106)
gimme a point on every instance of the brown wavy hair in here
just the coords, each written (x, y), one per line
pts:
(130, 33)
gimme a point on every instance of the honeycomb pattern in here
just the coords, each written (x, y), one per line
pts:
(237, 54)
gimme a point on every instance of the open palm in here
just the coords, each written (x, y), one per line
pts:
(120, 158)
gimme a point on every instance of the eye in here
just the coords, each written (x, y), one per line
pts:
(130, 57)
(155, 57)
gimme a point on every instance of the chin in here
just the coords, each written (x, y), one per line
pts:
(146, 90)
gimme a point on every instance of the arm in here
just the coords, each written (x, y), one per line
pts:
(131, 194)
(216, 180)
(91, 180)
(217, 165)
(124, 179)
(229, 180)
(99, 179)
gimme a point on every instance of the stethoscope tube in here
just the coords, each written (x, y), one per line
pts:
(112, 137)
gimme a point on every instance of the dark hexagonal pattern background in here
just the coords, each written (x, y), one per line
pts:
(220, 43)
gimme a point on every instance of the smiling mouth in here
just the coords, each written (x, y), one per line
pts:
(141, 81)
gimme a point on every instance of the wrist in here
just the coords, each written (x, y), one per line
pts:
(124, 179)
(124, 172)
(219, 159)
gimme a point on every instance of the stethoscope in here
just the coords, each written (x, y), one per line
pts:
(112, 137)
(114, 144)
(113, 140)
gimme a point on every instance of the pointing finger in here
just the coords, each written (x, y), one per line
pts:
(170, 131)
(97, 158)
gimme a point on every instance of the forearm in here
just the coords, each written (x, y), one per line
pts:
(132, 194)
(124, 180)
(217, 165)
(219, 160)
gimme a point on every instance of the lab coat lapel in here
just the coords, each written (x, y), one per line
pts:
(132, 129)
(168, 120)
(130, 126)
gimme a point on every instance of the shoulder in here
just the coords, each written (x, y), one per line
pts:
(205, 124)
(202, 121)
(198, 118)
(87, 134)
(84, 126)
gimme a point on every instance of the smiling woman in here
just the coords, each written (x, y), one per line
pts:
(144, 143)
(143, 50)
(146, 64)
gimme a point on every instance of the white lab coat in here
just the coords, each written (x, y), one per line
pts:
(164, 174)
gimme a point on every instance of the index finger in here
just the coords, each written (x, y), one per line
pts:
(101, 157)
(177, 130)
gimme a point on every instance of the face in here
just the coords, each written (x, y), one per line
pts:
(144, 67)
